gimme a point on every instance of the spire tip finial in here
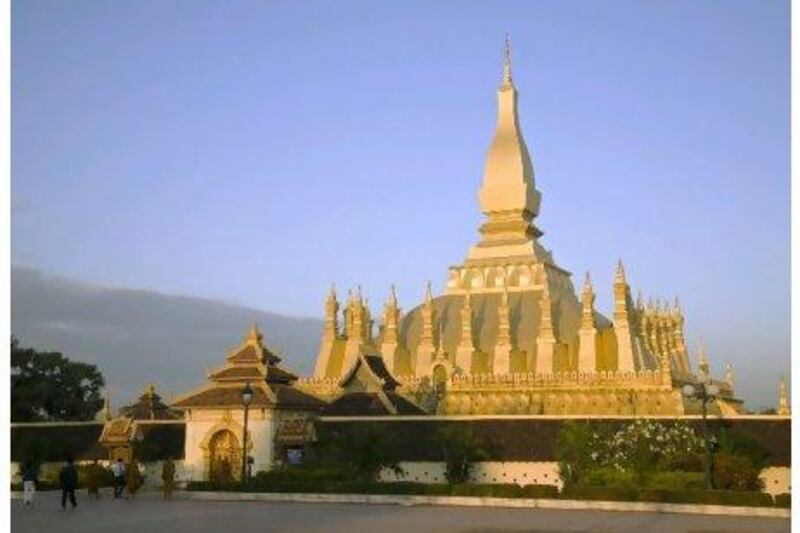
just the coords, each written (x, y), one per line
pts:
(507, 62)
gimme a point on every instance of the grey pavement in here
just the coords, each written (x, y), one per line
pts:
(150, 514)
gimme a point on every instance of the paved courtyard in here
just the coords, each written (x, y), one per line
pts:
(152, 515)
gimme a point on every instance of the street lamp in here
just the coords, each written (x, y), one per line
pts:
(705, 392)
(247, 397)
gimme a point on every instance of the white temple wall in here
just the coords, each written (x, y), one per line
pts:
(489, 472)
(777, 480)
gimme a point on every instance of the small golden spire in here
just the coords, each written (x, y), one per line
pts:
(619, 274)
(702, 361)
(587, 283)
(783, 399)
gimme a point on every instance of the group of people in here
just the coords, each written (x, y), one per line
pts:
(68, 480)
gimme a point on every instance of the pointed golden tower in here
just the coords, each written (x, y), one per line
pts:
(466, 345)
(358, 331)
(587, 353)
(702, 362)
(329, 334)
(508, 195)
(391, 321)
(426, 348)
(783, 399)
(622, 327)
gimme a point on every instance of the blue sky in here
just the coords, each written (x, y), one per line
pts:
(258, 151)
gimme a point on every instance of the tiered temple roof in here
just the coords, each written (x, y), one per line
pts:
(252, 362)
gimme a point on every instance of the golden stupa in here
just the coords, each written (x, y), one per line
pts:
(510, 335)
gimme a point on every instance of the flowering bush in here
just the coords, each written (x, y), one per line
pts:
(638, 448)
(645, 445)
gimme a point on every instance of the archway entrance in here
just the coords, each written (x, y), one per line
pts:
(225, 457)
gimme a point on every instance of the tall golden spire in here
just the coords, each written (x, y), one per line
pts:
(508, 196)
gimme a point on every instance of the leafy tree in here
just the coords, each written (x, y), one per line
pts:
(734, 443)
(47, 386)
(574, 449)
(362, 450)
(461, 448)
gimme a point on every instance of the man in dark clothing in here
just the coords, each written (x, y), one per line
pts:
(69, 482)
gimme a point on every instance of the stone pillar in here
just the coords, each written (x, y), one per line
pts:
(587, 354)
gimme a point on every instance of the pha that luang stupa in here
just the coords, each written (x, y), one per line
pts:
(510, 334)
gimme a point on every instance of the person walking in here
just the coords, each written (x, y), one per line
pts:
(69, 482)
(28, 482)
(118, 469)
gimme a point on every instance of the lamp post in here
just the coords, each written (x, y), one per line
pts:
(705, 392)
(247, 397)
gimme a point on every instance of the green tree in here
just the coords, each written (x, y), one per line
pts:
(461, 448)
(47, 386)
(576, 451)
(362, 450)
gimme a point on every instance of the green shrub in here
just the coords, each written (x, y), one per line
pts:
(609, 476)
(462, 489)
(540, 491)
(506, 490)
(783, 500)
(676, 481)
(707, 497)
(687, 462)
(611, 494)
(732, 497)
(736, 472)
(431, 489)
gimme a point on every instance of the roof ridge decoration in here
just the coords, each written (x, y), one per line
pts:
(384, 382)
